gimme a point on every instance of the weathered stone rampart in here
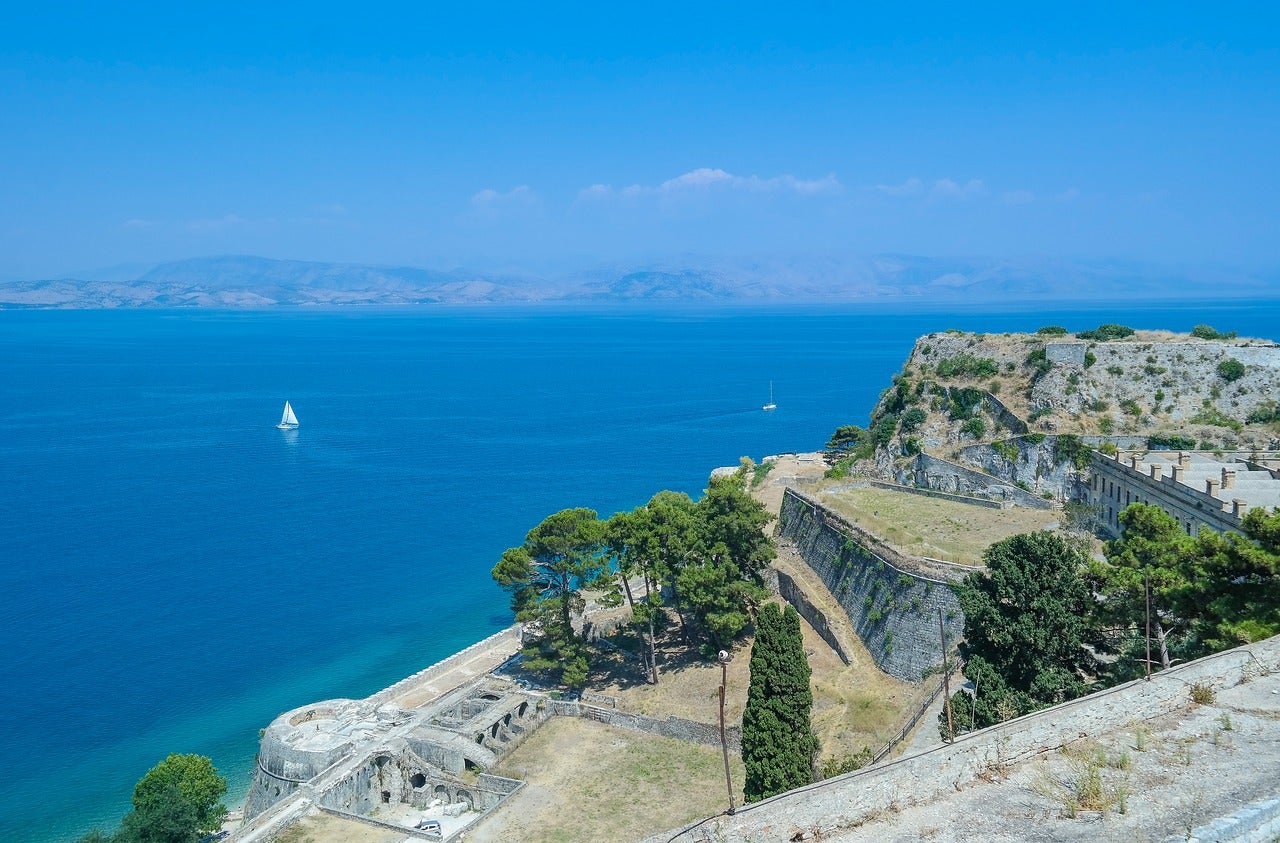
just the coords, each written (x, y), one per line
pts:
(894, 606)
(932, 472)
(791, 592)
(508, 638)
(668, 727)
(823, 809)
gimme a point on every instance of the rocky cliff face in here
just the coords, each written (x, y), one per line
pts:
(1019, 407)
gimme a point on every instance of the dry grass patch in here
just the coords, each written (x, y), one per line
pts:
(941, 529)
(318, 827)
(588, 781)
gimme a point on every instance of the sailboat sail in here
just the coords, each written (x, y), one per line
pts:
(770, 405)
(288, 419)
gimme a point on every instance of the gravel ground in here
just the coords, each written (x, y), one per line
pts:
(1151, 781)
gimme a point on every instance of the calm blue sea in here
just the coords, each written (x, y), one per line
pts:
(175, 571)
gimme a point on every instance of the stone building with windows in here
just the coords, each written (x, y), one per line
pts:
(1200, 490)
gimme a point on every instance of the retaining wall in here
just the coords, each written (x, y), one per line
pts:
(794, 594)
(822, 809)
(670, 727)
(930, 472)
(894, 610)
(946, 496)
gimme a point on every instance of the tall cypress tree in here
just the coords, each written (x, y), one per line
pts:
(778, 743)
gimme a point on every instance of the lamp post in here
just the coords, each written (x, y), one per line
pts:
(724, 659)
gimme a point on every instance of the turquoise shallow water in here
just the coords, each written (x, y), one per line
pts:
(174, 571)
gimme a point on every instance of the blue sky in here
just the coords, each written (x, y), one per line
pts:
(541, 135)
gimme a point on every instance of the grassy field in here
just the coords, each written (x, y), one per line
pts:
(589, 781)
(940, 529)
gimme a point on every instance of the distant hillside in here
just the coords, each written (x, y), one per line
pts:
(253, 282)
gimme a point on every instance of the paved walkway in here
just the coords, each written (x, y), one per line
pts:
(434, 687)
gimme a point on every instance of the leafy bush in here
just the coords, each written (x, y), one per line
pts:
(1215, 417)
(1265, 413)
(1071, 448)
(1130, 407)
(1115, 370)
(975, 427)
(1052, 331)
(1108, 448)
(1231, 370)
(912, 419)
(1089, 359)
(1039, 361)
(1100, 405)
(883, 429)
(1205, 332)
(964, 364)
(1005, 449)
(1172, 442)
(964, 402)
(1034, 438)
(1106, 425)
(911, 446)
(1106, 332)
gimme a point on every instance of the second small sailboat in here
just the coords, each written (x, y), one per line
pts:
(770, 405)
(288, 421)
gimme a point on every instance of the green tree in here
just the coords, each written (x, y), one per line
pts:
(718, 596)
(1208, 593)
(178, 801)
(846, 438)
(1151, 553)
(730, 516)
(1026, 624)
(1233, 593)
(778, 744)
(650, 543)
(545, 577)
(162, 815)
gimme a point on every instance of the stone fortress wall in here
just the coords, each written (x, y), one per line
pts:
(893, 601)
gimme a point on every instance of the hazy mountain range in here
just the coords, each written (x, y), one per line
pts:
(256, 282)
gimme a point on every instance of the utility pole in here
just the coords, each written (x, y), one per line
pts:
(724, 741)
(946, 678)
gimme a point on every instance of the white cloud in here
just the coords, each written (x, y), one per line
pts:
(225, 221)
(950, 189)
(940, 189)
(1018, 197)
(705, 179)
(910, 187)
(489, 198)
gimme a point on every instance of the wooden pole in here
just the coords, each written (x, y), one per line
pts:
(946, 678)
(1146, 586)
(724, 741)
(973, 709)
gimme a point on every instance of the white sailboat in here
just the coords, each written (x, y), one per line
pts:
(770, 405)
(288, 421)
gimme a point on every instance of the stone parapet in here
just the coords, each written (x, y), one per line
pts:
(821, 810)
